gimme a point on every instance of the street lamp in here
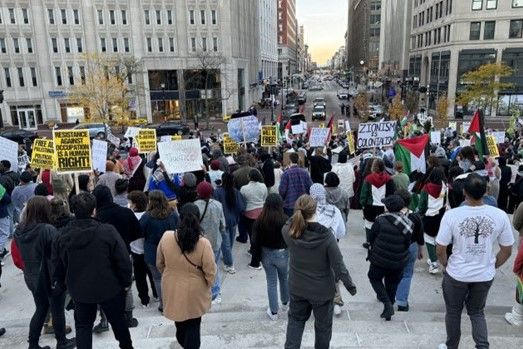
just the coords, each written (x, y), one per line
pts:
(162, 85)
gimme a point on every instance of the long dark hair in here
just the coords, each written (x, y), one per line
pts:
(272, 214)
(38, 210)
(189, 229)
(228, 187)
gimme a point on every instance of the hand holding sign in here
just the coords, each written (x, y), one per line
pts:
(181, 156)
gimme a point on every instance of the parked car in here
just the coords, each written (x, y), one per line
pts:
(319, 101)
(302, 98)
(343, 94)
(18, 135)
(95, 129)
(316, 87)
(375, 111)
(170, 128)
(319, 112)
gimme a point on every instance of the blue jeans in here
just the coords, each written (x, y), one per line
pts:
(276, 266)
(402, 293)
(227, 242)
(215, 289)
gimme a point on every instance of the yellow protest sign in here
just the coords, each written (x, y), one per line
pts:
(146, 139)
(229, 145)
(350, 140)
(269, 136)
(43, 154)
(73, 150)
(492, 146)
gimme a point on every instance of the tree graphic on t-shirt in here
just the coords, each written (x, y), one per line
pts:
(475, 227)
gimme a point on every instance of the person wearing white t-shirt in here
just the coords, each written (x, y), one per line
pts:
(472, 230)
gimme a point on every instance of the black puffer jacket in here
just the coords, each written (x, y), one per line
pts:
(389, 245)
(35, 243)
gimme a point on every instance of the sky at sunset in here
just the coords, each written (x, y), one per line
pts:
(325, 23)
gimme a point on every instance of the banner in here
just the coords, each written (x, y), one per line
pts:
(318, 136)
(435, 137)
(269, 137)
(229, 145)
(350, 141)
(113, 139)
(492, 146)
(181, 156)
(9, 151)
(99, 151)
(245, 129)
(376, 134)
(43, 154)
(146, 139)
(73, 150)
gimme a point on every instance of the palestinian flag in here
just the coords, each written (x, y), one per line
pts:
(411, 152)
(330, 126)
(288, 129)
(477, 132)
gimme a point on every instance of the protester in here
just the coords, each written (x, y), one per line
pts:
(22, 193)
(515, 317)
(345, 170)
(472, 229)
(319, 165)
(278, 172)
(187, 263)
(6, 172)
(109, 178)
(60, 214)
(182, 193)
(34, 238)
(400, 179)
(92, 263)
(5, 221)
(132, 163)
(241, 175)
(121, 186)
(158, 218)
(336, 195)
(254, 194)
(269, 247)
(294, 183)
(267, 169)
(215, 174)
(314, 265)
(506, 175)
(218, 155)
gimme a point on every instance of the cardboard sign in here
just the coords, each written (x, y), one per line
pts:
(244, 130)
(376, 134)
(500, 136)
(9, 151)
(350, 141)
(435, 137)
(73, 150)
(99, 151)
(181, 156)
(229, 145)
(146, 139)
(113, 139)
(43, 155)
(269, 136)
(318, 136)
(492, 146)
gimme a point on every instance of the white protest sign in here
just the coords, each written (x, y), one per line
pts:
(318, 136)
(435, 137)
(347, 125)
(500, 136)
(166, 138)
(113, 139)
(465, 126)
(131, 132)
(304, 125)
(464, 142)
(297, 129)
(376, 134)
(99, 154)
(181, 156)
(244, 129)
(9, 152)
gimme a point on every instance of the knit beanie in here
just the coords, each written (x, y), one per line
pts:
(204, 190)
(215, 165)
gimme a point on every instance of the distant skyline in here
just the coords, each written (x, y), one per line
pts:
(325, 23)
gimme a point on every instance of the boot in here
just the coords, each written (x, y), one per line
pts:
(68, 343)
(37, 346)
(388, 311)
(515, 317)
(103, 326)
(131, 321)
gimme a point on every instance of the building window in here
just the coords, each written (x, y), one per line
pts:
(25, 15)
(149, 45)
(67, 45)
(158, 17)
(100, 17)
(202, 16)
(191, 16)
(124, 17)
(204, 44)
(12, 17)
(82, 74)
(50, 15)
(477, 5)
(160, 44)
(489, 30)
(58, 75)
(71, 75)
(517, 3)
(213, 17)
(516, 28)
(54, 44)
(171, 44)
(34, 79)
(79, 46)
(115, 45)
(102, 45)
(2, 45)
(169, 17)
(76, 16)
(126, 44)
(16, 45)
(415, 22)
(21, 80)
(7, 77)
(112, 17)
(193, 44)
(147, 16)
(215, 44)
(449, 6)
(475, 29)
(492, 4)
(63, 14)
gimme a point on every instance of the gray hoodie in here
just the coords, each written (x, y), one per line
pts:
(315, 263)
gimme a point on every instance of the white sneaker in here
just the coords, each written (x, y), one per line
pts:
(255, 268)
(272, 316)
(229, 269)
(284, 307)
(429, 262)
(434, 268)
(442, 346)
(337, 309)
(217, 300)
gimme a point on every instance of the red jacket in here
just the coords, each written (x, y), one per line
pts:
(16, 255)
(518, 262)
